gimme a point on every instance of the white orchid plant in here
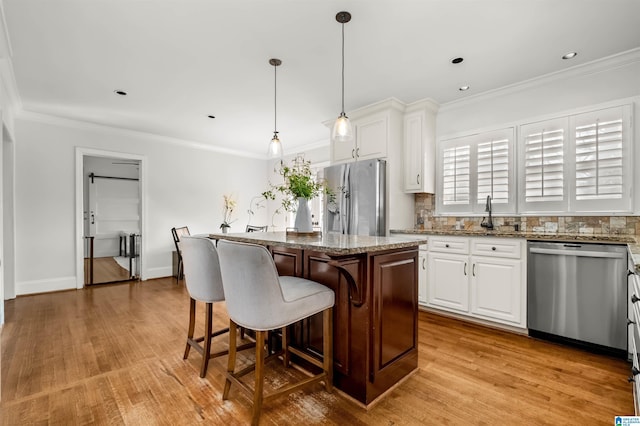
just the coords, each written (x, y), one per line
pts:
(227, 210)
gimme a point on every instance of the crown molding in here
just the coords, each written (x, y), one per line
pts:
(323, 143)
(618, 60)
(428, 103)
(85, 125)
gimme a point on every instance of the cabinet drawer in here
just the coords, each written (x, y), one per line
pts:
(635, 281)
(496, 248)
(449, 245)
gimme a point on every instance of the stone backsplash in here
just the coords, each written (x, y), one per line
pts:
(590, 225)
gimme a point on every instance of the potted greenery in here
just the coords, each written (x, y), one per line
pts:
(298, 187)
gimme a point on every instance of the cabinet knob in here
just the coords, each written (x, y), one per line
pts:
(358, 152)
(465, 268)
(423, 264)
(353, 153)
(493, 248)
(418, 178)
(629, 322)
(446, 245)
(473, 270)
(634, 299)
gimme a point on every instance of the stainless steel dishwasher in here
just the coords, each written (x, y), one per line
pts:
(578, 292)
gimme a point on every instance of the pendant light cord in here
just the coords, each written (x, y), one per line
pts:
(275, 99)
(343, 68)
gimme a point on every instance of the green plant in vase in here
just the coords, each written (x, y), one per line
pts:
(298, 187)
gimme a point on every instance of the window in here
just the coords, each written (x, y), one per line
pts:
(474, 167)
(542, 182)
(601, 180)
(578, 163)
(493, 171)
(455, 175)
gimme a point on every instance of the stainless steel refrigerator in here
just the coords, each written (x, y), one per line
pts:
(356, 204)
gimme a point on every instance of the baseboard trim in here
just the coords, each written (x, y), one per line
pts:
(46, 285)
(151, 273)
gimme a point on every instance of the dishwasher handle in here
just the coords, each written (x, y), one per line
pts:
(583, 253)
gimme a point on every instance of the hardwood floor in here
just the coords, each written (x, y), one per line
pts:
(113, 355)
(107, 270)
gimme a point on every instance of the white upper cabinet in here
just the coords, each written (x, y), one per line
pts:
(419, 147)
(375, 127)
(372, 135)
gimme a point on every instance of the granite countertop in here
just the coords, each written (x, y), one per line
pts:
(331, 244)
(632, 241)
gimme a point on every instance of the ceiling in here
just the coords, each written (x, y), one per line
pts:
(182, 60)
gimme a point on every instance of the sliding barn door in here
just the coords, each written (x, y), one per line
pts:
(114, 210)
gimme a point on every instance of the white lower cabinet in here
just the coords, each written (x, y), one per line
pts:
(422, 275)
(480, 277)
(448, 282)
(496, 288)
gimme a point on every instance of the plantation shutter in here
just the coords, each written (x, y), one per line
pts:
(601, 178)
(456, 175)
(542, 168)
(493, 171)
(495, 176)
(472, 167)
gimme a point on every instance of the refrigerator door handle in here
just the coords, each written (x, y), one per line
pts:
(344, 194)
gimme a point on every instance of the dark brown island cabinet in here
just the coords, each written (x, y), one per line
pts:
(375, 280)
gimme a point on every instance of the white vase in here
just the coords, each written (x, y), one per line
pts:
(303, 216)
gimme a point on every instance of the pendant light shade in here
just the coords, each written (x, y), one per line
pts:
(275, 146)
(342, 129)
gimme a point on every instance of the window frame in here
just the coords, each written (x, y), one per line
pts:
(570, 204)
(476, 207)
(554, 207)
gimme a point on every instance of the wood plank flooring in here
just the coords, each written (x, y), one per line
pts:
(112, 355)
(106, 270)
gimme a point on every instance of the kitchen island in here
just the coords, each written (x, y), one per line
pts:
(375, 281)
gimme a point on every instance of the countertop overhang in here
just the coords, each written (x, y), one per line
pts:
(330, 244)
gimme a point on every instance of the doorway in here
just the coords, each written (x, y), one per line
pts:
(111, 217)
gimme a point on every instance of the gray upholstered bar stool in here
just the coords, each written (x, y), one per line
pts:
(204, 283)
(259, 300)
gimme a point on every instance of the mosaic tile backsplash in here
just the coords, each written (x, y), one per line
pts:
(590, 225)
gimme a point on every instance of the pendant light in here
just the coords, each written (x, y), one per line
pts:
(342, 129)
(275, 146)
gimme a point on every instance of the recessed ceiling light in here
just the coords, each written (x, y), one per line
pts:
(211, 116)
(463, 88)
(457, 60)
(120, 92)
(569, 55)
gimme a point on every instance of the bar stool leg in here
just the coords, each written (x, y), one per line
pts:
(259, 382)
(327, 348)
(192, 324)
(231, 364)
(207, 340)
(286, 358)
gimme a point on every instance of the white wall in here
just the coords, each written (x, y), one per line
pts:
(580, 87)
(184, 184)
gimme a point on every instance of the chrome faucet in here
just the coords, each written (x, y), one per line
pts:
(487, 224)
